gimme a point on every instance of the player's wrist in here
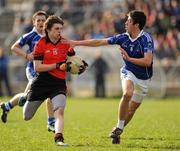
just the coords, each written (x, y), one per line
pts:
(61, 66)
(26, 56)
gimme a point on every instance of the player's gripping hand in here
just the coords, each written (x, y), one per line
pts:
(83, 67)
(61, 66)
(68, 67)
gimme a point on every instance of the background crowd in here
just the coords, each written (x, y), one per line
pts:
(103, 18)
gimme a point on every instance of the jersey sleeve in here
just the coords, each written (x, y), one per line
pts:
(23, 40)
(148, 44)
(38, 51)
(117, 39)
(71, 52)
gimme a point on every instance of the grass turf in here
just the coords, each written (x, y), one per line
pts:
(156, 126)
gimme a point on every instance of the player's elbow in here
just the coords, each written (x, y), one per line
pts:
(37, 68)
(14, 47)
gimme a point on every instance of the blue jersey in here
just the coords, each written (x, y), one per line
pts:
(135, 48)
(30, 40)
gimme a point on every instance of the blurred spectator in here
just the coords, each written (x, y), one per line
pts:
(119, 22)
(4, 73)
(164, 52)
(2, 3)
(19, 24)
(28, 25)
(49, 6)
(100, 68)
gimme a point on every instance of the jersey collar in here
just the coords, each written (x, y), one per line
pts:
(35, 30)
(139, 35)
(49, 41)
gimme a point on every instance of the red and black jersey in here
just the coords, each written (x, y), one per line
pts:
(51, 53)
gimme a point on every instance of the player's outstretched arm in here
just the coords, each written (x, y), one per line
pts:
(90, 42)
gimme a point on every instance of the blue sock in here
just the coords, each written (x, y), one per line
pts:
(8, 106)
(51, 120)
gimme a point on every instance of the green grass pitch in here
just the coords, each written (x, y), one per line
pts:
(155, 127)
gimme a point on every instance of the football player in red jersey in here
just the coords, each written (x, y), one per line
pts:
(50, 62)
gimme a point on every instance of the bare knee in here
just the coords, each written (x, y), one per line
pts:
(27, 118)
(60, 111)
(127, 96)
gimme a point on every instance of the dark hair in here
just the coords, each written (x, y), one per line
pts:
(138, 17)
(51, 20)
(39, 13)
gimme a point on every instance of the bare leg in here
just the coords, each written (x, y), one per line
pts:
(15, 99)
(133, 106)
(59, 124)
(128, 88)
(28, 86)
(50, 116)
(49, 108)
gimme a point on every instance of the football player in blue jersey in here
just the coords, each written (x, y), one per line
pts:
(136, 48)
(30, 40)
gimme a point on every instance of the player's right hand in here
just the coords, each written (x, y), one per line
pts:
(68, 67)
(83, 68)
(29, 57)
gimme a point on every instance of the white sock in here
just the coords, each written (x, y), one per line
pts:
(120, 124)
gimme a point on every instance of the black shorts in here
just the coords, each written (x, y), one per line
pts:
(46, 86)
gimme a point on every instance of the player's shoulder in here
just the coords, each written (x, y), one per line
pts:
(30, 34)
(42, 40)
(146, 36)
(63, 42)
(63, 39)
(119, 36)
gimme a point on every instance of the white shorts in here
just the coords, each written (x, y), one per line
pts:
(140, 86)
(29, 75)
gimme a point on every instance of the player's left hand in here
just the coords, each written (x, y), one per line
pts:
(124, 54)
(83, 67)
(61, 66)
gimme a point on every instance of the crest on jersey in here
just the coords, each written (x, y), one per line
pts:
(131, 47)
(63, 51)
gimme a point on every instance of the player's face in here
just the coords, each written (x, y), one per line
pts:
(39, 22)
(55, 31)
(129, 26)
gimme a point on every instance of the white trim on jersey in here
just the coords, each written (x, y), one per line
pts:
(139, 35)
